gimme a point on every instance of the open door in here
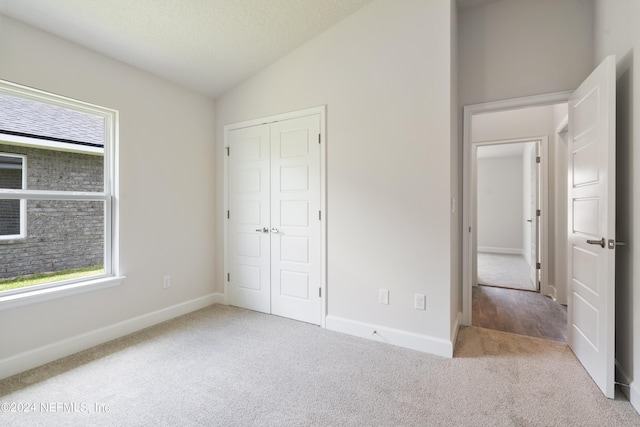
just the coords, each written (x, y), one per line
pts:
(591, 248)
(534, 214)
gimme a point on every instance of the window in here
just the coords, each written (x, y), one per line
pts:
(57, 217)
(12, 212)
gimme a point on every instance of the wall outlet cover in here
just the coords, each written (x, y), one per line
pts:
(384, 296)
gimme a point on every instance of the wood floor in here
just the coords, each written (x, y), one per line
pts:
(519, 312)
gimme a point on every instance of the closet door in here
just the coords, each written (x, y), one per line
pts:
(274, 218)
(249, 222)
(295, 221)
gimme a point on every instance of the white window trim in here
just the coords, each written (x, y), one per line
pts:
(23, 203)
(111, 276)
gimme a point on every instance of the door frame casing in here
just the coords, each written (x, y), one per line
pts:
(321, 111)
(469, 176)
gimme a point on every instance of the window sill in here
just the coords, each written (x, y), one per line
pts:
(41, 295)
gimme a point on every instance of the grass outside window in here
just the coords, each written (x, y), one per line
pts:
(56, 276)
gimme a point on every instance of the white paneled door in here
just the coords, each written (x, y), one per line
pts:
(249, 226)
(591, 252)
(275, 218)
(534, 215)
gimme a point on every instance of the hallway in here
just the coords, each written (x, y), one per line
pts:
(519, 312)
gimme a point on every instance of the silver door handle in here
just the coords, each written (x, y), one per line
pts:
(613, 244)
(600, 242)
(263, 230)
(275, 230)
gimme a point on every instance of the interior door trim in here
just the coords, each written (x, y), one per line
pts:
(321, 111)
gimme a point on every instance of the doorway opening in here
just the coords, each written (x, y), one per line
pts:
(513, 277)
(508, 214)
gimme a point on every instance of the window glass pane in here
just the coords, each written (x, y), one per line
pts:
(10, 171)
(63, 237)
(56, 170)
(9, 218)
(26, 117)
(10, 178)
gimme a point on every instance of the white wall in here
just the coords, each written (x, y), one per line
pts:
(500, 204)
(385, 75)
(516, 48)
(504, 125)
(166, 199)
(456, 184)
(558, 200)
(617, 32)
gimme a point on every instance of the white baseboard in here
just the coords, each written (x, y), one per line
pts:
(455, 330)
(508, 251)
(632, 391)
(39, 356)
(420, 342)
(552, 292)
(219, 298)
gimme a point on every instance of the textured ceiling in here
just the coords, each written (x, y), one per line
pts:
(207, 45)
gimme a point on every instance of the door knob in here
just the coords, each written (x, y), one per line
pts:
(600, 242)
(275, 230)
(263, 230)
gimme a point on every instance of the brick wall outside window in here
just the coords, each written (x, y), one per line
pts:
(60, 234)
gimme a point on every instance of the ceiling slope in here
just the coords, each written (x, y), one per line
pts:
(206, 45)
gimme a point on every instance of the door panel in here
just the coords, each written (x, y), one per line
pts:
(592, 217)
(249, 210)
(295, 206)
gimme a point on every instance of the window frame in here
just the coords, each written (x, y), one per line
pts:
(23, 203)
(37, 293)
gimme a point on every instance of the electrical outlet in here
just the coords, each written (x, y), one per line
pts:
(166, 282)
(420, 302)
(384, 296)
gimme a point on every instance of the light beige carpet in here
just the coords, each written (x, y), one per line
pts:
(504, 270)
(223, 366)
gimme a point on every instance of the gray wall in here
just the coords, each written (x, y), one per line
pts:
(500, 204)
(60, 234)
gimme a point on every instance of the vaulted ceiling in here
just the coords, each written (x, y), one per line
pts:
(206, 45)
(209, 46)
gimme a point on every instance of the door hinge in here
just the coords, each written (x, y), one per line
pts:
(537, 212)
(228, 150)
(538, 159)
(228, 277)
(320, 292)
(538, 265)
(228, 215)
(319, 139)
(319, 215)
